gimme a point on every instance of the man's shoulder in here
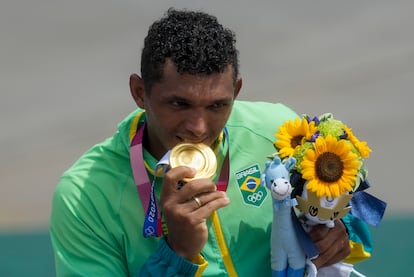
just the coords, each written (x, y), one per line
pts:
(257, 120)
(98, 180)
(260, 113)
(103, 167)
(131, 120)
(261, 106)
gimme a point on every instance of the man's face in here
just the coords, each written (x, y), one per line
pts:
(188, 108)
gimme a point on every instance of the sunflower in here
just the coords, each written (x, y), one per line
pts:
(331, 168)
(292, 134)
(361, 146)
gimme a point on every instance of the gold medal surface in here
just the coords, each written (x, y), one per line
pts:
(198, 156)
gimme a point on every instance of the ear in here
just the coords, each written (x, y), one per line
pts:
(136, 86)
(237, 86)
(290, 163)
(276, 160)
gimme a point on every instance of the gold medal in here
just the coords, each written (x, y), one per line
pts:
(198, 156)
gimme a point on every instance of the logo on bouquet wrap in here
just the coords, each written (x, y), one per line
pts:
(248, 180)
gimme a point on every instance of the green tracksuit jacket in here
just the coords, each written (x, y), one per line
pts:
(97, 216)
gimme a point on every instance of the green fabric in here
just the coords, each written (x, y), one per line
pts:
(97, 216)
(167, 263)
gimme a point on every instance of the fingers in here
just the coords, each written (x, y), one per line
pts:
(186, 222)
(204, 204)
(324, 236)
(333, 243)
(173, 177)
(332, 255)
(186, 209)
(176, 192)
(198, 201)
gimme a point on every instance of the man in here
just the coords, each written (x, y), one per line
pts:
(109, 199)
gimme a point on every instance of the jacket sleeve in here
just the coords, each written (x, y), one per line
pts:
(81, 244)
(359, 238)
(165, 262)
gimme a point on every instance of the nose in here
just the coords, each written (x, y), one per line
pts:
(196, 124)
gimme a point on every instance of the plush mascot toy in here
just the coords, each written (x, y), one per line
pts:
(328, 159)
(287, 255)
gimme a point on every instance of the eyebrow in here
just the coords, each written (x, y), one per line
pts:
(223, 100)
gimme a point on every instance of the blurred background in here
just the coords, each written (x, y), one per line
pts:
(64, 69)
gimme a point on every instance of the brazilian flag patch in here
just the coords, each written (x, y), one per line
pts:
(248, 180)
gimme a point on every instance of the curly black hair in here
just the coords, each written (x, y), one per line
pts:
(194, 41)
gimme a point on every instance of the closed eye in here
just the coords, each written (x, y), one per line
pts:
(177, 103)
(219, 105)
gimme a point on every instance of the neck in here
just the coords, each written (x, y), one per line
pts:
(151, 146)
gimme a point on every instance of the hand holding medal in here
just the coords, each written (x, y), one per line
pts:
(189, 197)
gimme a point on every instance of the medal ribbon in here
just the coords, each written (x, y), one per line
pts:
(152, 222)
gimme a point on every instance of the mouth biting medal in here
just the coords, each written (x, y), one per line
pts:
(198, 156)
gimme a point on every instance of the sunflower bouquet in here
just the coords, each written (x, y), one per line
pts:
(329, 160)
